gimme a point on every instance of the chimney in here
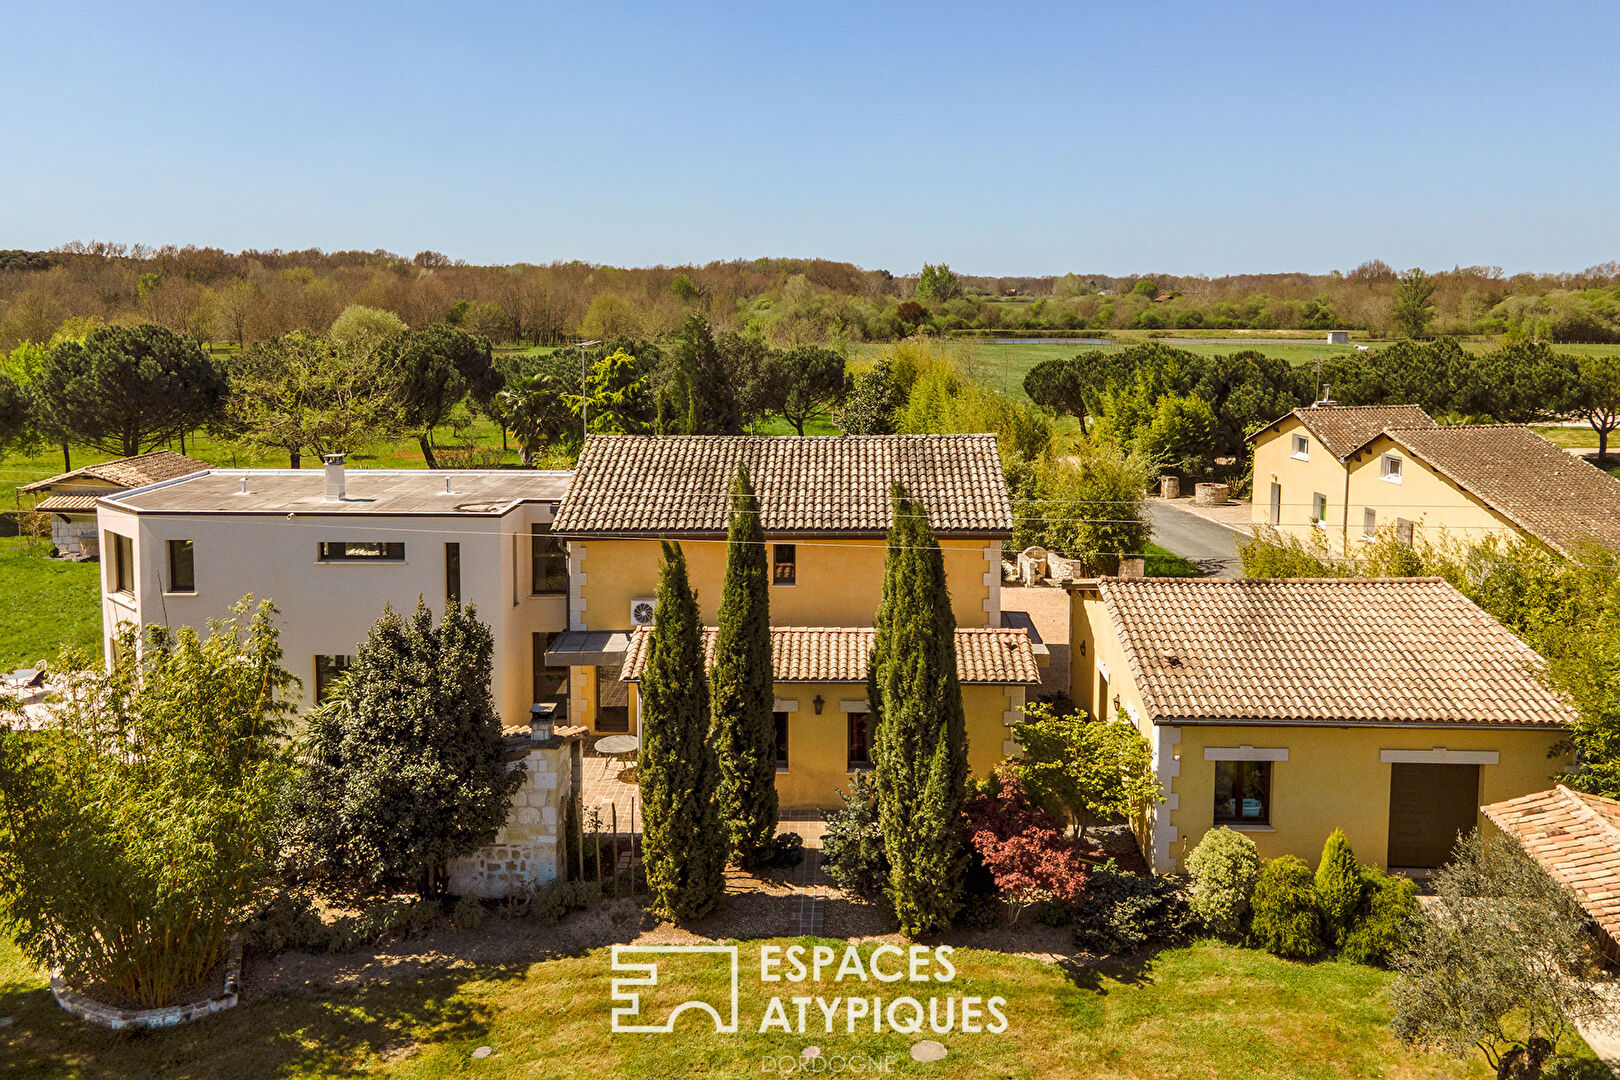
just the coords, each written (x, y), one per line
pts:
(1327, 396)
(1132, 567)
(334, 477)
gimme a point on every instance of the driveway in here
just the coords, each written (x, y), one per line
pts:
(1209, 545)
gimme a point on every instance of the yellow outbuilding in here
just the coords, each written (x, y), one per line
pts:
(1287, 708)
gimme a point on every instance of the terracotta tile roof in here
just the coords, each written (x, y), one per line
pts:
(75, 503)
(1328, 651)
(1576, 839)
(1343, 429)
(665, 485)
(1549, 493)
(129, 472)
(839, 654)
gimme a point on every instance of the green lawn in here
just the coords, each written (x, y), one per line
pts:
(1574, 438)
(1206, 1011)
(1162, 562)
(48, 603)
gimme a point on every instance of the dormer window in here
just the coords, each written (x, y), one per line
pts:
(1302, 448)
(1389, 468)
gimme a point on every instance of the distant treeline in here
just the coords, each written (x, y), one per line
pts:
(221, 298)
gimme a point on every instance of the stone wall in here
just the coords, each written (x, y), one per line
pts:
(528, 850)
(111, 1016)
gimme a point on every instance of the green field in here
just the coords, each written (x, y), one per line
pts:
(1209, 1011)
(48, 603)
(1004, 366)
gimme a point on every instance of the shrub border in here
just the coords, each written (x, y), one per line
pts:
(117, 1019)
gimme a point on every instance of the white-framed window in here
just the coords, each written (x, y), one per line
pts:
(1319, 509)
(1302, 448)
(1389, 468)
(1369, 523)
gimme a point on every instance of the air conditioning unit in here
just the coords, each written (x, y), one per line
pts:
(641, 611)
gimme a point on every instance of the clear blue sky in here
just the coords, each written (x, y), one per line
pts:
(1188, 138)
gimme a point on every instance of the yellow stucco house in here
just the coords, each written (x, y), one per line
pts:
(1345, 471)
(825, 509)
(1390, 708)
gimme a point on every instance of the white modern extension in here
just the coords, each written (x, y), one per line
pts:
(331, 548)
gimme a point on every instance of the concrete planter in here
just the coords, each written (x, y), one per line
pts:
(110, 1016)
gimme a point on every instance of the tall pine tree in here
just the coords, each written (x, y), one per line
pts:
(683, 847)
(919, 749)
(744, 687)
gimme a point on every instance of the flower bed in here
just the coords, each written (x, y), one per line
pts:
(117, 1019)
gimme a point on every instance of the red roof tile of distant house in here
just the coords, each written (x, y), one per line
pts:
(1343, 429)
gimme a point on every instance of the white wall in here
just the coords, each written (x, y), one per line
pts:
(328, 607)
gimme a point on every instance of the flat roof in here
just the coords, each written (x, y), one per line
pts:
(366, 491)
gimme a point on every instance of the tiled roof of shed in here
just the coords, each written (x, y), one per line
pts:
(1576, 839)
(839, 654)
(76, 503)
(129, 472)
(1548, 492)
(1324, 651)
(672, 484)
(1344, 428)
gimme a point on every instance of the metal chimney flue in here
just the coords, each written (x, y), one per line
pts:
(334, 477)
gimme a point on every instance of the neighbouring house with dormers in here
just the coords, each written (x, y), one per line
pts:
(1284, 709)
(825, 510)
(1343, 472)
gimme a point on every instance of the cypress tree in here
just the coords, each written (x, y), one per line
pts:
(1338, 887)
(744, 687)
(683, 848)
(919, 748)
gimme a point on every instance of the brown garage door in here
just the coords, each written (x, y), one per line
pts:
(1430, 806)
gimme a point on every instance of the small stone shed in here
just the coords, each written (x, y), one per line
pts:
(70, 497)
(530, 849)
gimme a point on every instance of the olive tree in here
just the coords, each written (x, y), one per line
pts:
(1501, 961)
(297, 392)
